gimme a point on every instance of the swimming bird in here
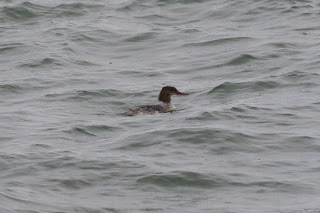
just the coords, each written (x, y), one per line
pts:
(164, 96)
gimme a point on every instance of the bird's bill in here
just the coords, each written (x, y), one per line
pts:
(181, 93)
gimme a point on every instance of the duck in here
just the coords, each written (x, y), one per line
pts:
(165, 97)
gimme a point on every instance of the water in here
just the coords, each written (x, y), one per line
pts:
(245, 139)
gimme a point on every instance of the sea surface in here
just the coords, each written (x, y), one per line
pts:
(246, 139)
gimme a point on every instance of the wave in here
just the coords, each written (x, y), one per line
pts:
(217, 141)
(181, 1)
(27, 10)
(74, 183)
(300, 75)
(221, 41)
(141, 37)
(231, 88)
(100, 96)
(78, 131)
(282, 45)
(11, 48)
(42, 63)
(143, 5)
(182, 179)
(242, 59)
(90, 130)
(21, 12)
(10, 88)
(100, 128)
(208, 181)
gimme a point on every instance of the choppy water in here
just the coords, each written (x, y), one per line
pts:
(246, 139)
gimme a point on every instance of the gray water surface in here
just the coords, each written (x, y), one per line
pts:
(245, 139)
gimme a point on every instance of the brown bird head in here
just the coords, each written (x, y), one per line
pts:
(166, 92)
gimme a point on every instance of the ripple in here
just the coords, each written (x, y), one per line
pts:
(183, 179)
(11, 48)
(139, 141)
(152, 17)
(92, 210)
(300, 75)
(71, 183)
(43, 146)
(197, 180)
(230, 88)
(217, 141)
(79, 131)
(100, 93)
(103, 128)
(85, 38)
(141, 37)
(242, 59)
(282, 45)
(72, 9)
(315, 28)
(61, 162)
(84, 63)
(306, 143)
(82, 95)
(73, 6)
(42, 63)
(273, 185)
(28, 10)
(218, 41)
(91, 130)
(14, 198)
(19, 12)
(295, 9)
(204, 116)
(180, 1)
(10, 88)
(97, 165)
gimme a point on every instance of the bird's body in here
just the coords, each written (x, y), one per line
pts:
(165, 97)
